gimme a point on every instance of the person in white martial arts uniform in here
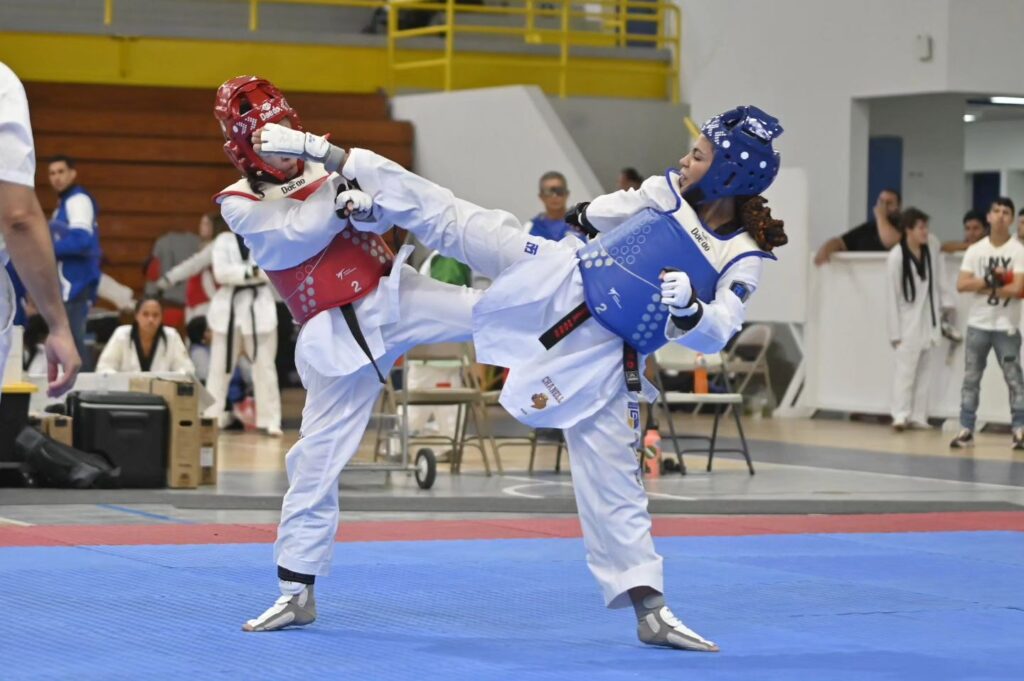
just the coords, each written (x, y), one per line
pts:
(573, 321)
(361, 308)
(145, 345)
(242, 320)
(25, 239)
(917, 298)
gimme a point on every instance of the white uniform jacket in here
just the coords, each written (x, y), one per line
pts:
(913, 323)
(283, 232)
(244, 290)
(537, 283)
(119, 354)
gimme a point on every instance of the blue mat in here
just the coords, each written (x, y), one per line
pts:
(789, 608)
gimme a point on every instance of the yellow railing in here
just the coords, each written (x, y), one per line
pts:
(612, 19)
(560, 23)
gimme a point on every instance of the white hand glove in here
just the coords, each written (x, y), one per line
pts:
(278, 140)
(359, 208)
(677, 293)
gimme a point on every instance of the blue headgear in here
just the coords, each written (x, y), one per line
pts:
(745, 162)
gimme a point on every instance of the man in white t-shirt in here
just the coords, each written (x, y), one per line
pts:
(25, 235)
(993, 270)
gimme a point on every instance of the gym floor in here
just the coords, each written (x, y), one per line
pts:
(853, 553)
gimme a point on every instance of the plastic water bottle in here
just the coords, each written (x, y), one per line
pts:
(700, 375)
(652, 451)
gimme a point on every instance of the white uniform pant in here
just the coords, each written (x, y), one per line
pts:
(264, 374)
(910, 384)
(611, 500)
(336, 413)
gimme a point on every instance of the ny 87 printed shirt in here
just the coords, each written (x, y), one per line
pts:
(986, 312)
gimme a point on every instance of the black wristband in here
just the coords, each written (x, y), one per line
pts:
(687, 323)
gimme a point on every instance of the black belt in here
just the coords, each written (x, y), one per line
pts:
(349, 313)
(572, 321)
(231, 325)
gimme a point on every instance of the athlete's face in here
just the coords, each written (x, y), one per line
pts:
(694, 166)
(149, 318)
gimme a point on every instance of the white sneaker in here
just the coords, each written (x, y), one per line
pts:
(287, 611)
(275, 432)
(899, 426)
(920, 425)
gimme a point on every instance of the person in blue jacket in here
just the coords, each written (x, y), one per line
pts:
(554, 194)
(76, 242)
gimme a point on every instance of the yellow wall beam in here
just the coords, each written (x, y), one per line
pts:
(313, 68)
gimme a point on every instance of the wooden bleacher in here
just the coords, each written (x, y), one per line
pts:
(152, 157)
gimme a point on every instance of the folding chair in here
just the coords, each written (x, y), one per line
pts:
(468, 400)
(675, 357)
(748, 357)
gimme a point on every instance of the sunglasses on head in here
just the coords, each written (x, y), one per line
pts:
(554, 191)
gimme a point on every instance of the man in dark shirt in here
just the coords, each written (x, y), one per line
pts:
(879, 234)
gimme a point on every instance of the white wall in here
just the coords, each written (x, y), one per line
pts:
(932, 130)
(806, 61)
(994, 145)
(490, 146)
(614, 133)
(986, 46)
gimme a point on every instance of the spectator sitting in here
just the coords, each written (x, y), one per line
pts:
(629, 178)
(554, 193)
(76, 243)
(145, 345)
(975, 229)
(879, 234)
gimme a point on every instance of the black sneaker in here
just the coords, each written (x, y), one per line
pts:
(1018, 438)
(963, 439)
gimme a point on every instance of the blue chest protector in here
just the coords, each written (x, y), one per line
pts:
(621, 270)
(79, 256)
(547, 228)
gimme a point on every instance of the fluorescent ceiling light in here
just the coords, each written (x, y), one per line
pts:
(1016, 101)
(970, 118)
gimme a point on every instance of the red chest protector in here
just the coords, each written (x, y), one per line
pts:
(349, 268)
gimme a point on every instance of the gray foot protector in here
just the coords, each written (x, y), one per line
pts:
(287, 611)
(661, 628)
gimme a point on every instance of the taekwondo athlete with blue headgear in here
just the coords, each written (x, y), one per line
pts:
(675, 260)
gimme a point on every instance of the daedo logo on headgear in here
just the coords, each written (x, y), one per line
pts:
(267, 111)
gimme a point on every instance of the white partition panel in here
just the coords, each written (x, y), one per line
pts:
(850, 361)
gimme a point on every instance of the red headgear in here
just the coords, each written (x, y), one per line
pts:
(245, 104)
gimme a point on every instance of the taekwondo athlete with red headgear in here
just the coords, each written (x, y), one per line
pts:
(359, 305)
(676, 260)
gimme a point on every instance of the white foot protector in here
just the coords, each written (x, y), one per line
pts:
(287, 611)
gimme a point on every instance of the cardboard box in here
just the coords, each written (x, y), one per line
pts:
(182, 399)
(208, 433)
(58, 428)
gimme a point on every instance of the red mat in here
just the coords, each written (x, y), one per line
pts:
(512, 528)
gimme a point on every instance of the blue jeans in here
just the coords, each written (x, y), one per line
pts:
(78, 314)
(976, 349)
